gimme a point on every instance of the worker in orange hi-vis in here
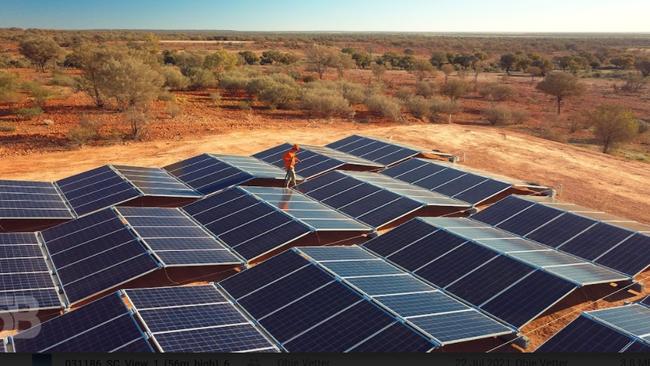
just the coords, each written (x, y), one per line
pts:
(290, 160)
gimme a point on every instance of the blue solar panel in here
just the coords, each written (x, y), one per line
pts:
(464, 325)
(311, 163)
(314, 308)
(633, 319)
(199, 316)
(455, 264)
(483, 191)
(529, 220)
(361, 268)
(156, 182)
(489, 280)
(629, 257)
(585, 335)
(207, 174)
(174, 296)
(395, 338)
(399, 237)
(27, 200)
(359, 322)
(337, 253)
(595, 241)
(461, 184)
(502, 210)
(518, 305)
(251, 279)
(425, 250)
(412, 170)
(101, 326)
(423, 303)
(387, 285)
(638, 347)
(561, 230)
(375, 150)
(239, 338)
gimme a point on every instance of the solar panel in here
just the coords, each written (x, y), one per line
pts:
(176, 239)
(646, 301)
(448, 181)
(196, 319)
(316, 160)
(105, 325)
(255, 221)
(633, 319)
(585, 335)
(209, 173)
(594, 236)
(25, 280)
(386, 153)
(369, 198)
(422, 306)
(305, 309)
(156, 182)
(31, 200)
(95, 253)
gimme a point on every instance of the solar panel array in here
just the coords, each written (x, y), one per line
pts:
(254, 221)
(25, 280)
(306, 310)
(105, 325)
(196, 319)
(371, 198)
(436, 314)
(447, 180)
(112, 185)
(209, 173)
(316, 160)
(382, 152)
(471, 262)
(175, 239)
(620, 329)
(31, 200)
(591, 235)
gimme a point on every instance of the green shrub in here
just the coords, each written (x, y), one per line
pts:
(385, 106)
(174, 79)
(455, 89)
(8, 88)
(519, 116)
(419, 107)
(60, 79)
(326, 103)
(29, 113)
(166, 96)
(497, 92)
(279, 95)
(425, 88)
(201, 78)
(353, 92)
(403, 93)
(38, 92)
(498, 116)
(441, 107)
(234, 82)
(87, 130)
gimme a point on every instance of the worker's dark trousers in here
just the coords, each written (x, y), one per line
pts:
(290, 178)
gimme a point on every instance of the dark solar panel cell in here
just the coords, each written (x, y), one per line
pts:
(490, 279)
(638, 347)
(585, 335)
(191, 317)
(138, 346)
(192, 257)
(455, 264)
(174, 296)
(396, 338)
(102, 199)
(161, 244)
(357, 323)
(104, 338)
(109, 180)
(340, 187)
(79, 180)
(518, 305)
(319, 166)
(331, 178)
(397, 157)
(630, 257)
(439, 178)
(20, 281)
(93, 247)
(170, 232)
(17, 238)
(268, 299)
(460, 326)
(344, 141)
(529, 220)
(239, 338)
(108, 278)
(23, 265)
(560, 230)
(94, 233)
(253, 229)
(483, 191)
(389, 212)
(459, 185)
(426, 250)
(595, 241)
(309, 311)
(58, 329)
(502, 210)
(399, 237)
(20, 251)
(352, 195)
(180, 167)
(77, 225)
(234, 219)
(403, 170)
(30, 299)
(258, 276)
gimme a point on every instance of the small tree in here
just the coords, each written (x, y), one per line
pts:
(38, 92)
(534, 71)
(220, 61)
(422, 69)
(561, 85)
(40, 50)
(8, 88)
(612, 125)
(507, 62)
(447, 69)
(249, 57)
(378, 71)
(644, 67)
(320, 58)
(455, 89)
(438, 59)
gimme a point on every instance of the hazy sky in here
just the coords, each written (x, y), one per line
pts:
(334, 15)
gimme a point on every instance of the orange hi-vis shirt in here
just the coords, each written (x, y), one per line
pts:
(290, 159)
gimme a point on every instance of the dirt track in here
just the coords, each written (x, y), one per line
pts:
(580, 175)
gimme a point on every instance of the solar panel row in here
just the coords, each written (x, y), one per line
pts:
(208, 173)
(31, 200)
(156, 182)
(375, 204)
(575, 232)
(385, 153)
(315, 160)
(436, 314)
(25, 280)
(620, 329)
(472, 270)
(304, 309)
(448, 181)
(196, 319)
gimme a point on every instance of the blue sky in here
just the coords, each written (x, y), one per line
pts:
(334, 15)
